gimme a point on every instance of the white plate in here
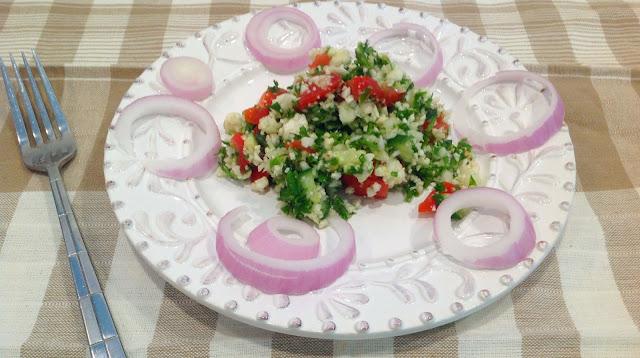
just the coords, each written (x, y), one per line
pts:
(399, 282)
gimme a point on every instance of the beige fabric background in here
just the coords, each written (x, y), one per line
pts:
(584, 300)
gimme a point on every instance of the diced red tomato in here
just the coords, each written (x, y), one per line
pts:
(297, 144)
(428, 205)
(384, 95)
(384, 189)
(390, 95)
(258, 174)
(360, 189)
(359, 83)
(448, 187)
(267, 97)
(317, 93)
(238, 144)
(440, 124)
(254, 114)
(352, 181)
(322, 59)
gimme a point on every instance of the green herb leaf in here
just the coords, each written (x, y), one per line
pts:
(294, 196)
(364, 94)
(340, 208)
(273, 88)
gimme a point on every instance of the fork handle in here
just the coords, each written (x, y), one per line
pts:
(101, 332)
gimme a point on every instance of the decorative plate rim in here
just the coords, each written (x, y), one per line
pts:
(333, 328)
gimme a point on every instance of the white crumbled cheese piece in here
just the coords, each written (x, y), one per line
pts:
(346, 94)
(307, 142)
(286, 100)
(364, 175)
(269, 124)
(336, 175)
(335, 69)
(369, 109)
(254, 157)
(392, 166)
(467, 169)
(439, 133)
(327, 141)
(394, 75)
(339, 57)
(304, 87)
(233, 122)
(293, 125)
(321, 81)
(446, 175)
(354, 137)
(328, 102)
(382, 119)
(276, 170)
(402, 105)
(349, 190)
(373, 189)
(260, 185)
(346, 112)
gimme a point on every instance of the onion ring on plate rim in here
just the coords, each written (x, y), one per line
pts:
(508, 251)
(543, 126)
(272, 275)
(201, 159)
(268, 239)
(284, 60)
(421, 33)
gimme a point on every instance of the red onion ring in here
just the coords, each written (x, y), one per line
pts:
(272, 275)
(277, 58)
(545, 123)
(509, 250)
(201, 159)
(267, 239)
(187, 77)
(421, 33)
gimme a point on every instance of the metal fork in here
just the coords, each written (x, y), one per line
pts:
(47, 154)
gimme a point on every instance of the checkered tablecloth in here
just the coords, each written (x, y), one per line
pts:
(584, 300)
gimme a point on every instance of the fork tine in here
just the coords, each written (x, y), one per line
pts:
(35, 129)
(53, 100)
(41, 108)
(21, 130)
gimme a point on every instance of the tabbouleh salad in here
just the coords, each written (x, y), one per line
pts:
(358, 127)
